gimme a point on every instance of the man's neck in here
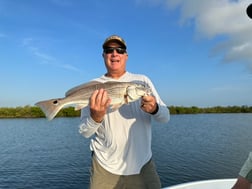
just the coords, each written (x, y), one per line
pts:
(115, 75)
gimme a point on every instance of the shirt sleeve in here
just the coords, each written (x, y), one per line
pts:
(163, 114)
(246, 170)
(87, 126)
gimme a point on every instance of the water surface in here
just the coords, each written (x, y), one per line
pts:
(36, 153)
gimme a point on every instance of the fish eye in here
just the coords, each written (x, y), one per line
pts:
(55, 102)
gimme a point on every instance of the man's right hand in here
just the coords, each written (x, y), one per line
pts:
(99, 103)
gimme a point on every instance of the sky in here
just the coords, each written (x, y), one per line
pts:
(196, 52)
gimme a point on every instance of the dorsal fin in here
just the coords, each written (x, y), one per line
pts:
(77, 88)
(85, 85)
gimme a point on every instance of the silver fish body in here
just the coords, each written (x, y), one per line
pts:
(119, 92)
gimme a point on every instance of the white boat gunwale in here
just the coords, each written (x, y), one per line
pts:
(205, 184)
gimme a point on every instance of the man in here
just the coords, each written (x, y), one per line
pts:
(121, 146)
(244, 179)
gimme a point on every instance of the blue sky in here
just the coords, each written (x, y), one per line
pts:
(197, 53)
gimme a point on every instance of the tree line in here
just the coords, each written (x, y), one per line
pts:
(215, 109)
(36, 112)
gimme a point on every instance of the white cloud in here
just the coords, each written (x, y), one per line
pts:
(213, 18)
(70, 67)
(45, 58)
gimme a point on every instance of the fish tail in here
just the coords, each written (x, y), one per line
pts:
(50, 108)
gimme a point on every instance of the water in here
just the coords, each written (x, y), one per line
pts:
(35, 153)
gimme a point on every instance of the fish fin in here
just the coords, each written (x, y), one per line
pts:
(91, 83)
(77, 88)
(50, 107)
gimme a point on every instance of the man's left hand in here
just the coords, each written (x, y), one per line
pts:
(149, 104)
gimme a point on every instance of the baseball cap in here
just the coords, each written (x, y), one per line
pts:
(114, 38)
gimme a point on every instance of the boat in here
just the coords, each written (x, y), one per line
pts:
(206, 184)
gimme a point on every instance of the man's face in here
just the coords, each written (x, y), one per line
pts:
(115, 58)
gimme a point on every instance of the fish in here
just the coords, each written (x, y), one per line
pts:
(120, 93)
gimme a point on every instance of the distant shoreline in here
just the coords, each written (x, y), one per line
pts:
(35, 112)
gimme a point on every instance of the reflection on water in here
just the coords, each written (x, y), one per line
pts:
(36, 153)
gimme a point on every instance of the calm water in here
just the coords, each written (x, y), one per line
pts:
(35, 153)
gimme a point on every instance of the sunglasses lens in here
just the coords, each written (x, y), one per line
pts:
(108, 50)
(120, 50)
(111, 50)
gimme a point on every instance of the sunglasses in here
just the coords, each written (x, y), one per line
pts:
(110, 50)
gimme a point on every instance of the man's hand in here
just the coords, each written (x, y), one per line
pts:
(99, 103)
(149, 104)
